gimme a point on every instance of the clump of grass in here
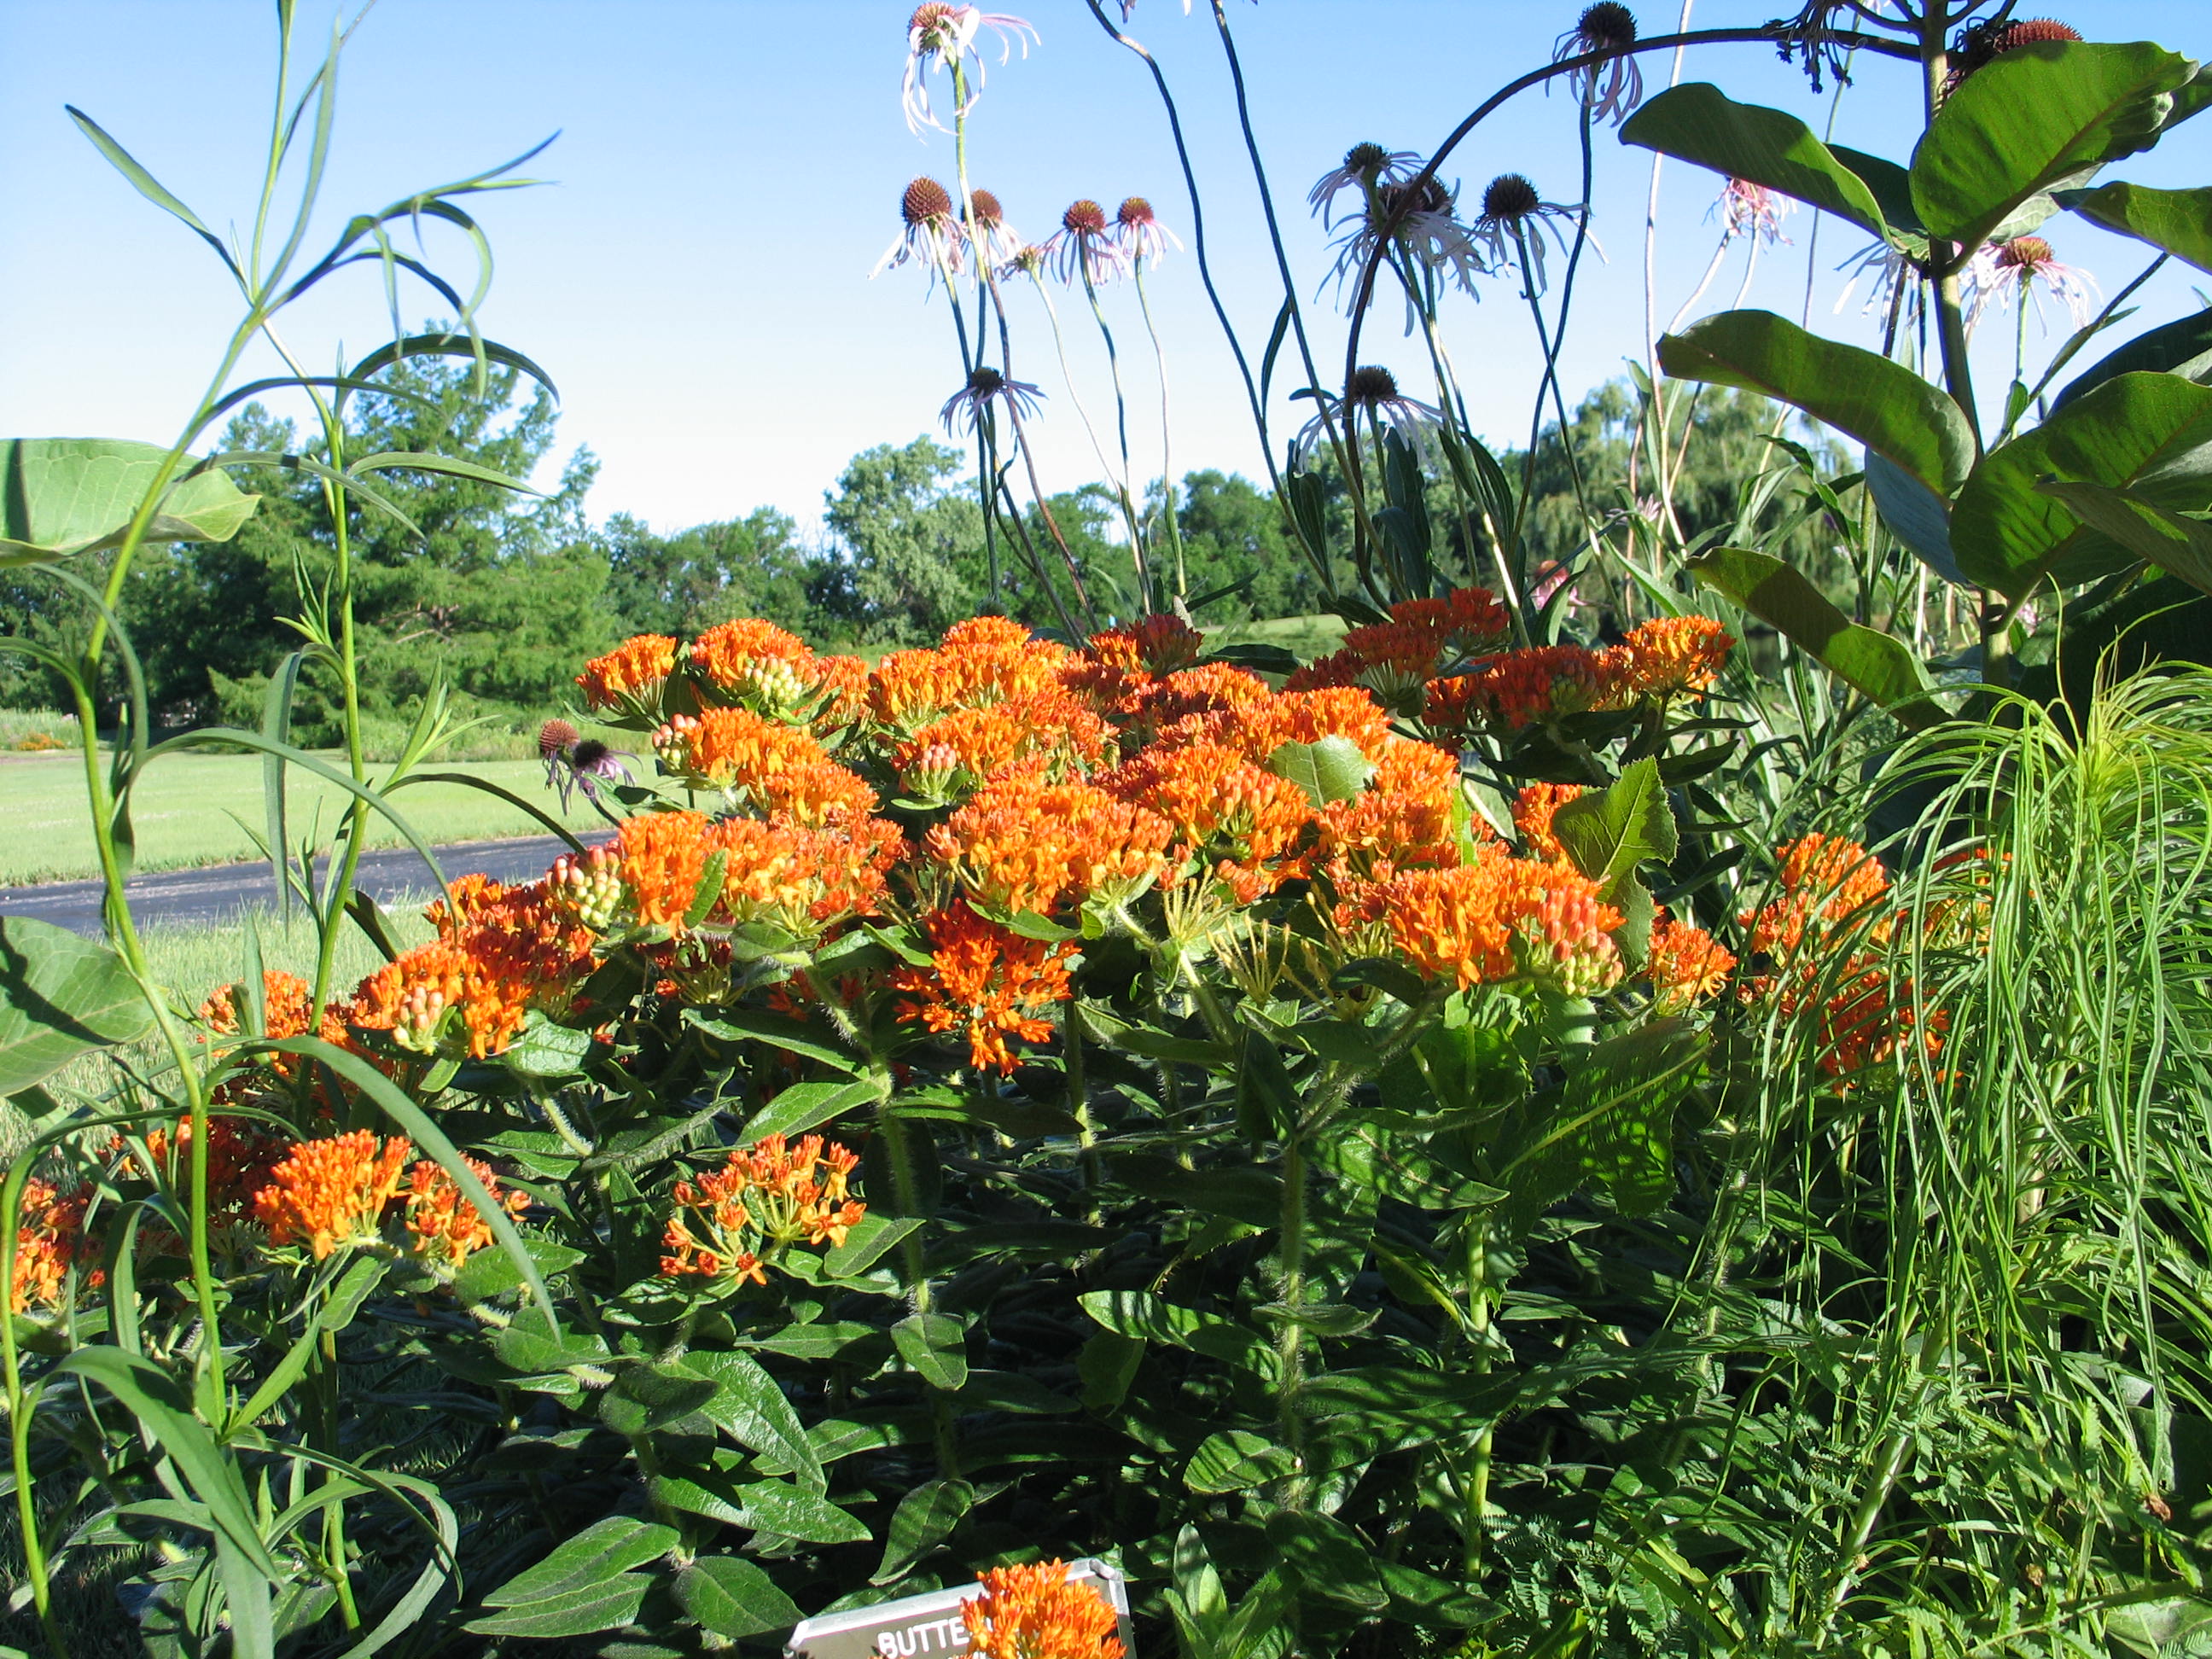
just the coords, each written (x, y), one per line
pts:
(36, 730)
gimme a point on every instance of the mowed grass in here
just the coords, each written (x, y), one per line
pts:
(191, 810)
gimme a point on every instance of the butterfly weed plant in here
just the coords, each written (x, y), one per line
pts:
(1486, 1142)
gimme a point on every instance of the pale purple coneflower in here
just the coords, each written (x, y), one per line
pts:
(2005, 272)
(986, 386)
(931, 233)
(996, 241)
(1140, 235)
(1422, 222)
(1753, 211)
(1614, 86)
(1372, 391)
(1028, 261)
(573, 762)
(1085, 249)
(938, 35)
(1511, 227)
(1366, 168)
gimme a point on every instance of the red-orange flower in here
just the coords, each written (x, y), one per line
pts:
(981, 661)
(1686, 965)
(775, 673)
(1407, 814)
(443, 1227)
(1523, 687)
(802, 879)
(732, 1222)
(1232, 815)
(985, 979)
(1027, 844)
(765, 765)
(331, 1194)
(1052, 729)
(633, 672)
(1532, 810)
(49, 1239)
(1031, 1611)
(1825, 879)
(521, 956)
(1675, 654)
(1496, 917)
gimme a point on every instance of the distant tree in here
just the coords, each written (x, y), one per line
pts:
(1232, 531)
(912, 544)
(689, 580)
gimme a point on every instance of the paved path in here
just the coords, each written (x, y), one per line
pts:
(220, 891)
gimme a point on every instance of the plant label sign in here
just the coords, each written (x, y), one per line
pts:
(930, 1625)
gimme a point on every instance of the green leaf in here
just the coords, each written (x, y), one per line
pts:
(733, 1597)
(804, 1105)
(865, 1244)
(924, 1519)
(1700, 123)
(1609, 833)
(777, 1031)
(544, 1049)
(1328, 1560)
(493, 1273)
(398, 460)
(601, 1551)
(1266, 1098)
(651, 1395)
(2182, 347)
(1107, 1365)
(1876, 666)
(1329, 771)
(1385, 973)
(2182, 547)
(2178, 221)
(60, 497)
(2149, 434)
(2035, 117)
(1151, 1318)
(1915, 515)
(936, 1345)
(607, 1606)
(1884, 405)
(753, 1410)
(777, 1506)
(60, 996)
(1236, 1460)
(1611, 1128)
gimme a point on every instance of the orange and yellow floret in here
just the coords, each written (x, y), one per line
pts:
(1494, 918)
(986, 982)
(634, 670)
(732, 1222)
(1031, 1611)
(49, 1241)
(331, 1194)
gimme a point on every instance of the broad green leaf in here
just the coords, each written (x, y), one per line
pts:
(607, 1606)
(804, 1106)
(865, 1244)
(1915, 515)
(587, 1561)
(936, 1345)
(528, 1349)
(60, 996)
(1875, 664)
(779, 1507)
(2035, 117)
(733, 1597)
(924, 1519)
(1609, 832)
(2151, 434)
(1328, 1560)
(1700, 123)
(1107, 1365)
(1331, 769)
(2182, 347)
(1611, 1128)
(494, 1273)
(652, 1395)
(544, 1049)
(60, 497)
(1142, 1315)
(753, 1410)
(1884, 405)
(778, 1031)
(2182, 547)
(1236, 1460)
(2178, 221)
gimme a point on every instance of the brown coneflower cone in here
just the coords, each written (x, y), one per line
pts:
(556, 737)
(1981, 45)
(925, 201)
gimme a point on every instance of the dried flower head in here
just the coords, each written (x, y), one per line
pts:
(1140, 235)
(928, 232)
(1365, 168)
(1615, 85)
(968, 408)
(1513, 224)
(1085, 249)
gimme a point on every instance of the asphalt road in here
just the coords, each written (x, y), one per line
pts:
(212, 893)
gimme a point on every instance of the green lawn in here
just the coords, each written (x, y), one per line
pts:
(187, 809)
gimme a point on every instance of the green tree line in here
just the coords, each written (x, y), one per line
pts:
(503, 594)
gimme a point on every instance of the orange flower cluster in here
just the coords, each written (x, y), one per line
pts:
(286, 999)
(1245, 823)
(1156, 645)
(1670, 657)
(762, 764)
(631, 674)
(1532, 810)
(1686, 965)
(1394, 658)
(1825, 933)
(443, 1227)
(967, 747)
(49, 1240)
(1675, 654)
(1494, 918)
(239, 1152)
(1408, 816)
(1027, 844)
(331, 1194)
(985, 979)
(775, 673)
(1031, 1611)
(732, 1222)
(504, 952)
(981, 661)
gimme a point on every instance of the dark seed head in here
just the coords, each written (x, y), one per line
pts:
(988, 213)
(1605, 26)
(1370, 384)
(554, 738)
(1509, 198)
(925, 201)
(1084, 218)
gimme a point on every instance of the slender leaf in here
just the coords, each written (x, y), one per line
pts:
(733, 1597)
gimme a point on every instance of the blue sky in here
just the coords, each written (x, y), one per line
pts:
(696, 279)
